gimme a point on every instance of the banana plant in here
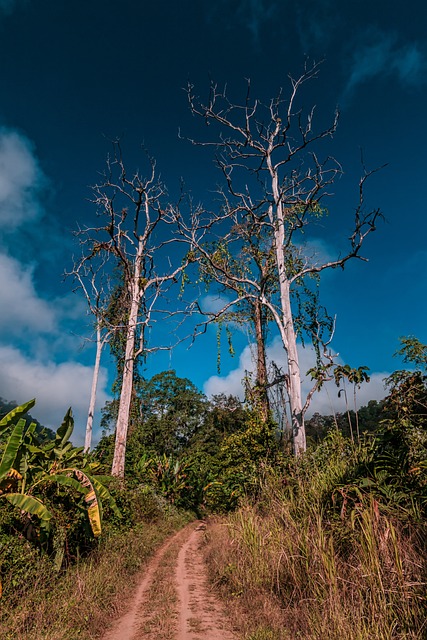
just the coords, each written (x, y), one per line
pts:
(26, 466)
(168, 475)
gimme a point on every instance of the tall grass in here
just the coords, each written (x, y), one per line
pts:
(300, 567)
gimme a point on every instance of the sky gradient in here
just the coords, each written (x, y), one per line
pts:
(75, 75)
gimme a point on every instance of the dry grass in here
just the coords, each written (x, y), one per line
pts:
(287, 572)
(82, 602)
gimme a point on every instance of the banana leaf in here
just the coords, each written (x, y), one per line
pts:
(12, 447)
(93, 505)
(104, 494)
(94, 512)
(64, 432)
(30, 432)
(66, 481)
(16, 413)
(32, 505)
(83, 485)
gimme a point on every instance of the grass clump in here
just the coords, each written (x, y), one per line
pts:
(314, 558)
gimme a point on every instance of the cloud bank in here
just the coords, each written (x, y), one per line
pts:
(325, 402)
(37, 349)
(21, 180)
(23, 309)
(56, 386)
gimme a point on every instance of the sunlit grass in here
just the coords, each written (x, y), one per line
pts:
(293, 567)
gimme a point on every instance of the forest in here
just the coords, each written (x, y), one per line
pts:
(319, 520)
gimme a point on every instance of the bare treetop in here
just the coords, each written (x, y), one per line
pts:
(275, 184)
(134, 243)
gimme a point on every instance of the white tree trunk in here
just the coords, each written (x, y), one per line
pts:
(118, 468)
(89, 423)
(289, 339)
(294, 375)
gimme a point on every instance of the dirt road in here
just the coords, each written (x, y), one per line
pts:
(173, 600)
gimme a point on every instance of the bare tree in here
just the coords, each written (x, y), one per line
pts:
(236, 263)
(137, 235)
(91, 276)
(275, 183)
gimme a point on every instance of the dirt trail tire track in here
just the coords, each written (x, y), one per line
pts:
(200, 614)
(193, 613)
(126, 627)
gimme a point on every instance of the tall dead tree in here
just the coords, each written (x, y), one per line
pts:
(275, 184)
(136, 235)
(92, 279)
(228, 265)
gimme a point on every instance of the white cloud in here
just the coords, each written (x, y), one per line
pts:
(55, 387)
(29, 323)
(325, 402)
(214, 303)
(22, 309)
(231, 384)
(20, 180)
(380, 54)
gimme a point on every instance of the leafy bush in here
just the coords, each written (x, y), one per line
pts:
(51, 484)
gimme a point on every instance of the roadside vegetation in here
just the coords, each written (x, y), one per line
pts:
(70, 548)
(331, 544)
(334, 544)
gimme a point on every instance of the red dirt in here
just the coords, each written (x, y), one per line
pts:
(192, 611)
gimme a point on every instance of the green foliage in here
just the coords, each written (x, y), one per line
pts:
(167, 413)
(395, 462)
(38, 602)
(241, 457)
(172, 411)
(11, 448)
(318, 426)
(30, 505)
(168, 476)
(52, 486)
(20, 561)
(7, 409)
(199, 455)
(413, 351)
(353, 375)
(15, 413)
(334, 543)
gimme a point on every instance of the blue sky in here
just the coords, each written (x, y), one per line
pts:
(74, 75)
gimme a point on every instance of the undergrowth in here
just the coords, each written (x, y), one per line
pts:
(81, 601)
(308, 560)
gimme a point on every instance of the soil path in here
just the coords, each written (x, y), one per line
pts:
(173, 600)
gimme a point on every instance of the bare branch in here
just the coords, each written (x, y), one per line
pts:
(275, 186)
